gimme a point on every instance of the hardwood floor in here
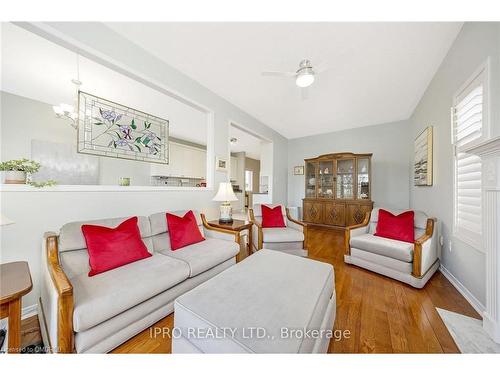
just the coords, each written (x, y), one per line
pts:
(381, 314)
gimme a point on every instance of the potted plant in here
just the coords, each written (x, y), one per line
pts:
(16, 170)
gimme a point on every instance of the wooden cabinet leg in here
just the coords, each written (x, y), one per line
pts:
(14, 344)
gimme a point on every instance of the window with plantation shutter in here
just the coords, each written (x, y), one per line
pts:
(468, 118)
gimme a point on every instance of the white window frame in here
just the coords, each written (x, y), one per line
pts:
(480, 77)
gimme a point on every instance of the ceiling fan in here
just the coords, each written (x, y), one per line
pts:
(304, 75)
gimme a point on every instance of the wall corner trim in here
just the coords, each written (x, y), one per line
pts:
(478, 306)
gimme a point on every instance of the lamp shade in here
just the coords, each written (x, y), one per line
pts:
(225, 193)
(5, 220)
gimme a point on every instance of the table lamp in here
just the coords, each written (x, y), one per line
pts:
(225, 195)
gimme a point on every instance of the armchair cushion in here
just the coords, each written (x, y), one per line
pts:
(396, 227)
(272, 217)
(383, 246)
(282, 235)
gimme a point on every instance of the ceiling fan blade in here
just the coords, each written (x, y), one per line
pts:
(280, 74)
(304, 93)
(320, 68)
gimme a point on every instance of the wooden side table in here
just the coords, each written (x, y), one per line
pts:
(15, 282)
(237, 226)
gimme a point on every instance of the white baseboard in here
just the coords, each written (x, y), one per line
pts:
(29, 311)
(478, 306)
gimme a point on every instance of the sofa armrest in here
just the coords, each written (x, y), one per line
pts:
(425, 250)
(355, 230)
(220, 233)
(257, 234)
(64, 290)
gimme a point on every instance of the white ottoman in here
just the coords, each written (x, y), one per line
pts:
(269, 303)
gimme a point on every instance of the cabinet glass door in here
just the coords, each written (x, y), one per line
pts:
(364, 178)
(310, 179)
(345, 179)
(325, 183)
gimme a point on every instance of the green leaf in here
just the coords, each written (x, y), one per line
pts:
(132, 124)
(138, 148)
(146, 141)
(114, 144)
(98, 123)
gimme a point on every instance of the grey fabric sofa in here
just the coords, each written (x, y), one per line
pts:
(96, 314)
(411, 263)
(291, 239)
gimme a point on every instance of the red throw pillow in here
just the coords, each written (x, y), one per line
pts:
(272, 217)
(111, 248)
(183, 231)
(396, 227)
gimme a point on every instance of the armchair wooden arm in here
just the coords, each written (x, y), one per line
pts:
(304, 226)
(207, 225)
(347, 232)
(64, 289)
(260, 236)
(417, 250)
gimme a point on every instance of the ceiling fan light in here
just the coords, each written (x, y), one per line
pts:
(304, 79)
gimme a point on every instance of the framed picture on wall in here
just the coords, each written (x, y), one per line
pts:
(423, 158)
(298, 170)
(221, 164)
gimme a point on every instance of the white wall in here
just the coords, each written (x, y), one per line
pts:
(474, 44)
(391, 148)
(37, 211)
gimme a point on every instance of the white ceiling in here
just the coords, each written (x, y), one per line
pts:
(38, 69)
(246, 142)
(377, 71)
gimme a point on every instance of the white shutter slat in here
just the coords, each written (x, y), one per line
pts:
(467, 126)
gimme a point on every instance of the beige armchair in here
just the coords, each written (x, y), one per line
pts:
(411, 263)
(290, 239)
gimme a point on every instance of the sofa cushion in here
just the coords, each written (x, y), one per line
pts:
(110, 293)
(204, 255)
(71, 236)
(286, 234)
(383, 246)
(111, 248)
(183, 230)
(159, 222)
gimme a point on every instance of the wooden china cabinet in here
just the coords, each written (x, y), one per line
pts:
(338, 189)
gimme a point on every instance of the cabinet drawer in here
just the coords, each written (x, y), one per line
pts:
(313, 212)
(334, 214)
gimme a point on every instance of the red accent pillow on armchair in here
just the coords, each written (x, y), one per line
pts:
(183, 231)
(272, 217)
(111, 248)
(396, 227)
